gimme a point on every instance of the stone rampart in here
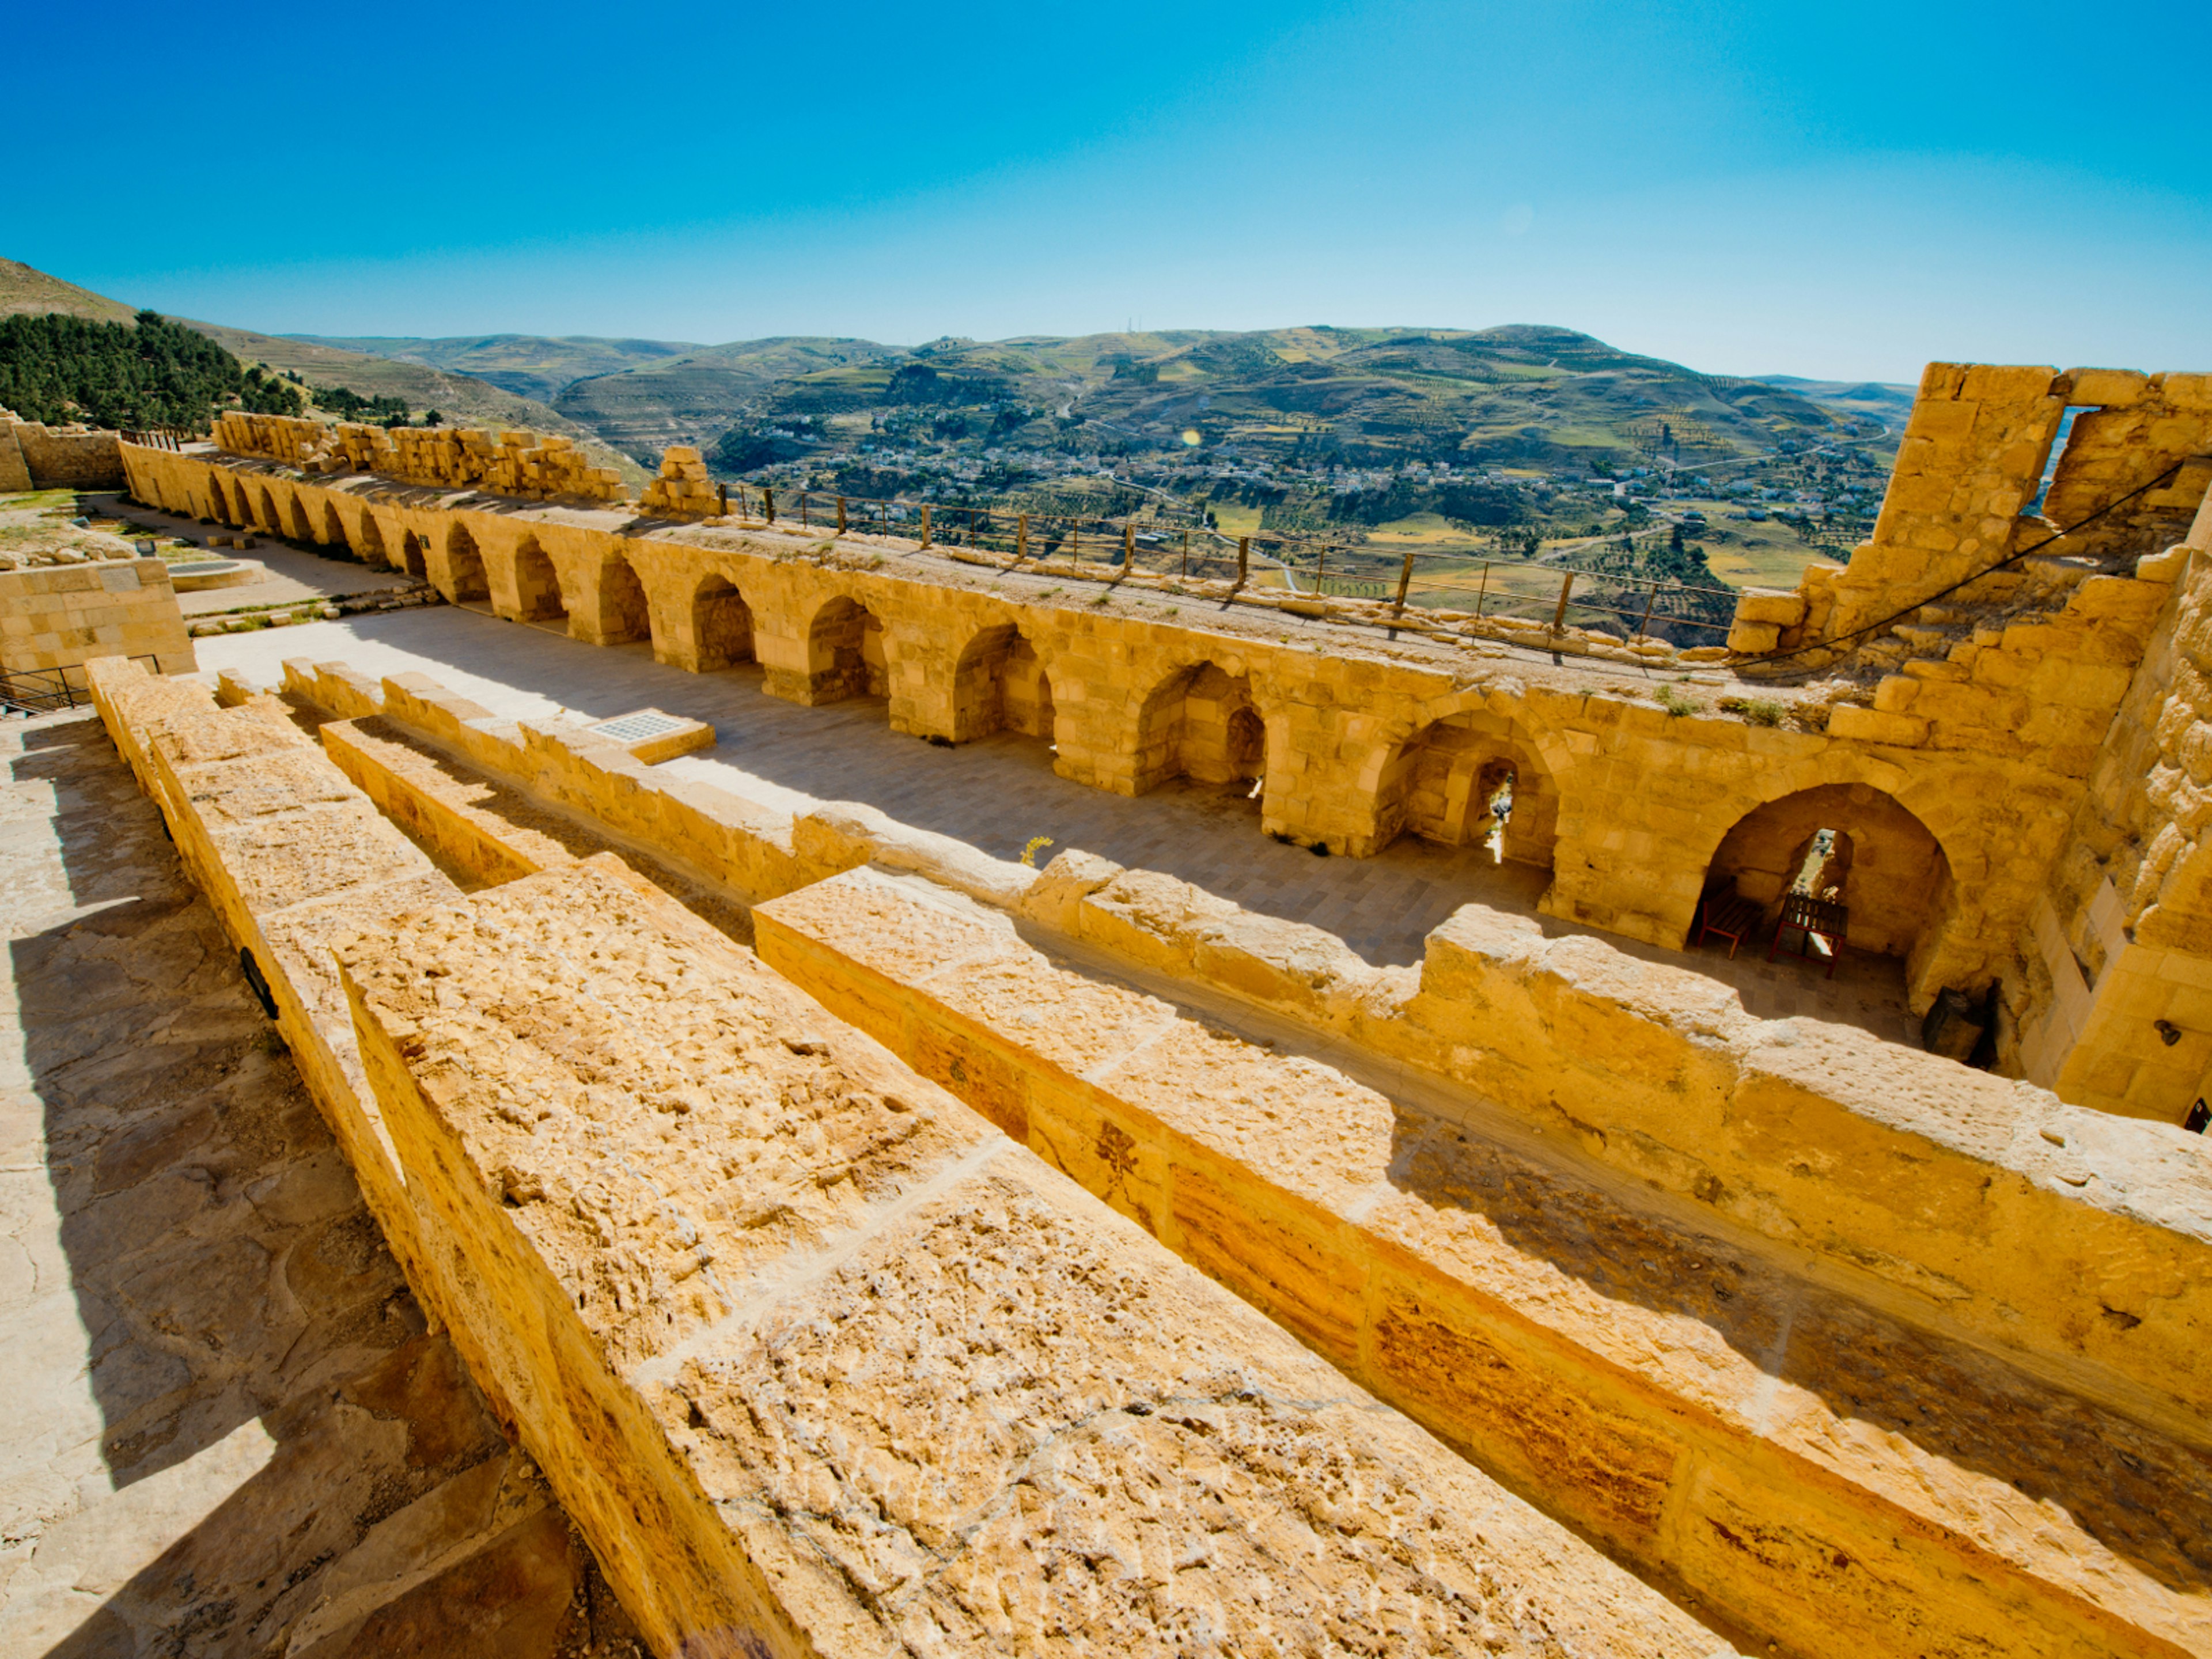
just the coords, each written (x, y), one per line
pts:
(521, 463)
(1635, 812)
(818, 1359)
(1999, 1212)
(61, 616)
(1622, 1370)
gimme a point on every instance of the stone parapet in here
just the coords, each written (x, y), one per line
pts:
(1648, 1379)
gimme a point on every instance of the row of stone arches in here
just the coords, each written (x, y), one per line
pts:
(1466, 777)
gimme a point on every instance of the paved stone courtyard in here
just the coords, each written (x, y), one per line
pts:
(998, 792)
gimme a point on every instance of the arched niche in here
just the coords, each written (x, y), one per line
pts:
(845, 653)
(1886, 866)
(624, 612)
(1471, 778)
(537, 592)
(371, 544)
(1000, 685)
(410, 556)
(464, 565)
(721, 623)
(334, 533)
(1200, 723)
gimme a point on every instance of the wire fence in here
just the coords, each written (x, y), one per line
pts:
(1459, 581)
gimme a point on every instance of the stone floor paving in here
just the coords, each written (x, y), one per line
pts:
(226, 1429)
(1000, 792)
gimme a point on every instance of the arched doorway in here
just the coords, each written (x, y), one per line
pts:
(1000, 685)
(1849, 841)
(269, 521)
(537, 592)
(334, 528)
(1200, 723)
(372, 540)
(845, 653)
(1472, 779)
(219, 507)
(411, 557)
(464, 565)
(303, 527)
(623, 614)
(721, 624)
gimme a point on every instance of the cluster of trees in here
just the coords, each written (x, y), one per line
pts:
(344, 401)
(57, 368)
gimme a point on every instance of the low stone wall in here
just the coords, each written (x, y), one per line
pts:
(1999, 1211)
(820, 1361)
(2004, 1212)
(57, 459)
(1708, 1418)
(61, 616)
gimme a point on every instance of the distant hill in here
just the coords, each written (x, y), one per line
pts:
(463, 399)
(529, 365)
(1890, 405)
(1520, 394)
(28, 292)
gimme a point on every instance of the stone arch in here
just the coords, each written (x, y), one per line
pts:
(334, 533)
(1000, 684)
(623, 614)
(411, 557)
(270, 520)
(303, 526)
(721, 623)
(1440, 782)
(371, 544)
(846, 654)
(1893, 872)
(1185, 729)
(219, 507)
(465, 576)
(538, 598)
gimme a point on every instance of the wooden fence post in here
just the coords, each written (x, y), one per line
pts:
(1243, 558)
(1021, 538)
(840, 516)
(925, 524)
(1559, 616)
(1405, 579)
(1128, 545)
(723, 509)
(768, 503)
(1186, 552)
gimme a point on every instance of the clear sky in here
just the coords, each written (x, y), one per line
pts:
(1829, 190)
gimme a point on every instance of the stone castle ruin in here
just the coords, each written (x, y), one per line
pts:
(883, 1247)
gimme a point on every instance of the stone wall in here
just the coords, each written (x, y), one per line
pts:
(818, 1361)
(62, 616)
(58, 458)
(1989, 748)
(2119, 952)
(521, 463)
(1620, 1366)
(2003, 1214)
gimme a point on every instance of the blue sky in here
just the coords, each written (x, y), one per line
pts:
(1829, 191)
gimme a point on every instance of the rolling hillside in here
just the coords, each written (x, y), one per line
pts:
(528, 365)
(463, 399)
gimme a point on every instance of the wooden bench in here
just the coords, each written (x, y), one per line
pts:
(1728, 913)
(1814, 918)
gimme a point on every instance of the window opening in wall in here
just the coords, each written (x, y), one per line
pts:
(2065, 435)
(1820, 870)
(1499, 804)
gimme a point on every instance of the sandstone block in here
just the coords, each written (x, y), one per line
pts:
(1874, 725)
(1752, 639)
(1761, 605)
